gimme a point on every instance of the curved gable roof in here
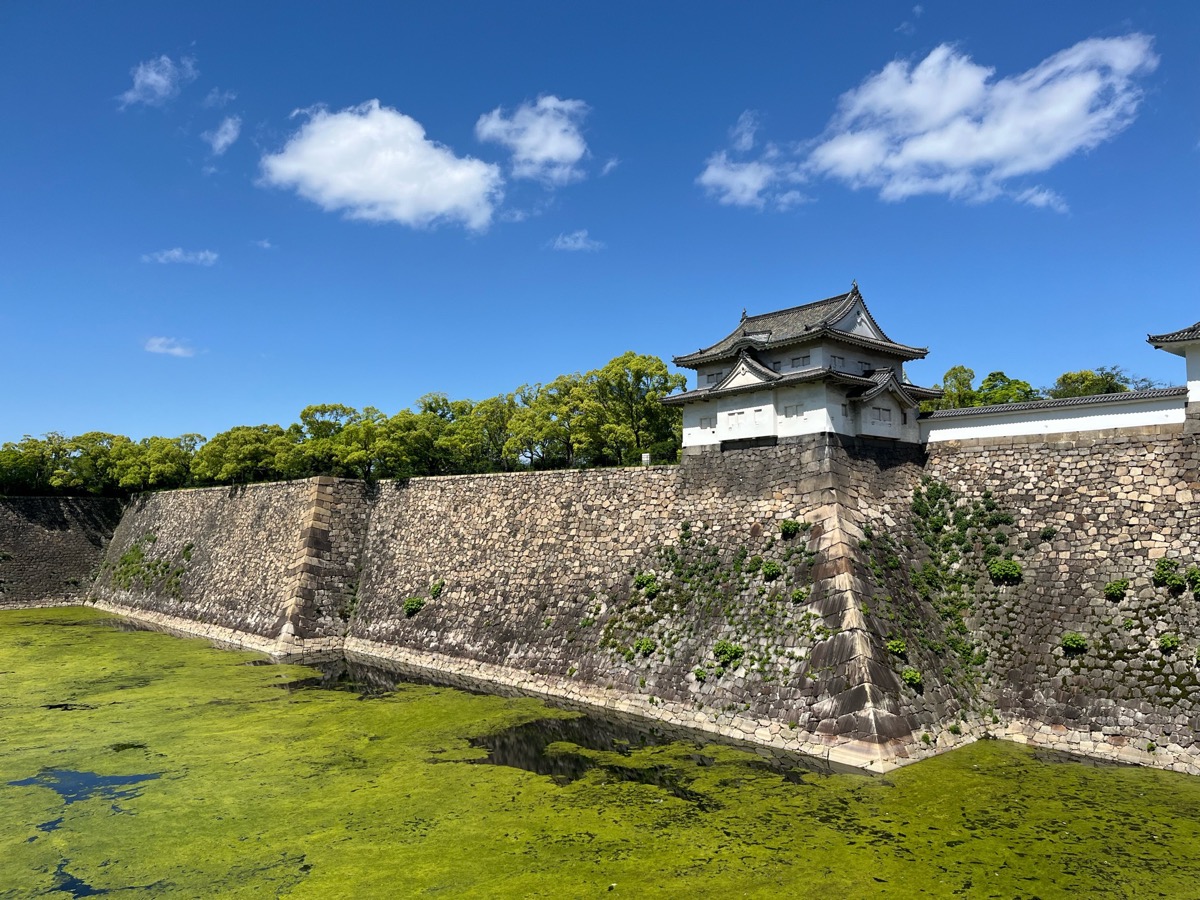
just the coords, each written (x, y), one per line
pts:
(806, 322)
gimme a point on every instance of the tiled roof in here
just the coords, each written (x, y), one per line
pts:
(1034, 405)
(775, 380)
(1191, 333)
(809, 321)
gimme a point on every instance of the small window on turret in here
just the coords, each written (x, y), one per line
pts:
(799, 362)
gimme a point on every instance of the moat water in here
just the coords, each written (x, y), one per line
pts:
(134, 763)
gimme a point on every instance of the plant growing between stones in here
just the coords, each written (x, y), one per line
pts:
(801, 594)
(1167, 574)
(435, 589)
(412, 606)
(644, 646)
(789, 528)
(1115, 590)
(1168, 643)
(1074, 643)
(912, 678)
(897, 647)
(1004, 571)
(771, 570)
(727, 654)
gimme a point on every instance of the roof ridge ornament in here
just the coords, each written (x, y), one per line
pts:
(744, 317)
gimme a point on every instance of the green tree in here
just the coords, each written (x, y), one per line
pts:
(999, 388)
(958, 390)
(622, 416)
(1101, 380)
(243, 454)
(546, 424)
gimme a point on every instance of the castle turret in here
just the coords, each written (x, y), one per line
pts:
(819, 367)
(1185, 343)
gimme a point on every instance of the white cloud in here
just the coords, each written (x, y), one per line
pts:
(375, 164)
(946, 126)
(737, 183)
(169, 346)
(179, 255)
(158, 81)
(733, 178)
(223, 136)
(1043, 198)
(544, 138)
(264, 244)
(215, 99)
(609, 166)
(576, 240)
(742, 133)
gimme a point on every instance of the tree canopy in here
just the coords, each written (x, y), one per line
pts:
(609, 416)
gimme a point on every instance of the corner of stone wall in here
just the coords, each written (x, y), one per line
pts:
(326, 559)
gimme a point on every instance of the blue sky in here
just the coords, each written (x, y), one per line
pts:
(215, 214)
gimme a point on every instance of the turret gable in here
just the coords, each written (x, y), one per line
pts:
(844, 318)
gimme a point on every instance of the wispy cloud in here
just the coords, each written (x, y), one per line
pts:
(576, 241)
(169, 346)
(156, 82)
(946, 125)
(909, 26)
(179, 255)
(1043, 198)
(741, 135)
(545, 138)
(216, 98)
(609, 165)
(264, 244)
(223, 136)
(375, 164)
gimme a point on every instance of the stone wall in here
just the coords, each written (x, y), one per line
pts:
(51, 547)
(540, 580)
(270, 560)
(1094, 509)
(874, 635)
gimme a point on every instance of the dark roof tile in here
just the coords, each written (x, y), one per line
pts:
(808, 321)
(1035, 405)
(1191, 333)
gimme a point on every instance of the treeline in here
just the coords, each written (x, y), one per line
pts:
(606, 417)
(960, 390)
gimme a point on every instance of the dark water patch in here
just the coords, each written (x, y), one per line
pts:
(67, 706)
(65, 882)
(52, 825)
(73, 786)
(544, 747)
(122, 747)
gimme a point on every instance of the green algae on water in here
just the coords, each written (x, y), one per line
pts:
(262, 792)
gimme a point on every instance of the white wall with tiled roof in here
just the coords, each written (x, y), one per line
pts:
(1095, 416)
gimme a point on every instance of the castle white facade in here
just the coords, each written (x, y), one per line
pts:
(829, 367)
(824, 366)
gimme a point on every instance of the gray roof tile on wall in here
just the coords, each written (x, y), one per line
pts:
(1034, 405)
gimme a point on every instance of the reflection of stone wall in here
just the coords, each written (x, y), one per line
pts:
(1117, 503)
(50, 547)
